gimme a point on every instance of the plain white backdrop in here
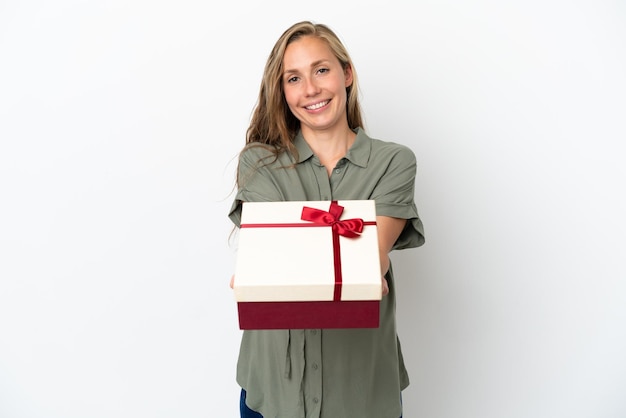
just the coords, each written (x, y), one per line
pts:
(120, 123)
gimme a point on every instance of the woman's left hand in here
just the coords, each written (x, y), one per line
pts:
(385, 287)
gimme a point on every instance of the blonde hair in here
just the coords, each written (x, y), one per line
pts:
(272, 122)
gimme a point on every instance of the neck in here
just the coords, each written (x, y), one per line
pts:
(330, 147)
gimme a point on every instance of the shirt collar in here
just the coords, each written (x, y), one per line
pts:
(358, 154)
(303, 149)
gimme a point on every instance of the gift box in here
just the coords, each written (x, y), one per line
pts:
(309, 264)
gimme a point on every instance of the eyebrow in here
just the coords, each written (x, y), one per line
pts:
(313, 64)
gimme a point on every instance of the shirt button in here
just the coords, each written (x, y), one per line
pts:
(316, 400)
(315, 366)
(337, 170)
(314, 331)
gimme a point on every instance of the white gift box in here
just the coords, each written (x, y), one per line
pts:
(308, 264)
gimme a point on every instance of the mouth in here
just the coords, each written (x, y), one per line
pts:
(317, 105)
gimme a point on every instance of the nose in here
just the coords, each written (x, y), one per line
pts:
(311, 87)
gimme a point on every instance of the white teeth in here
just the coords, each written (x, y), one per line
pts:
(317, 105)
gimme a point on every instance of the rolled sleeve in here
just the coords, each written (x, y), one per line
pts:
(394, 196)
(256, 182)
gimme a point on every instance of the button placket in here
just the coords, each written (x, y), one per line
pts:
(321, 176)
(313, 376)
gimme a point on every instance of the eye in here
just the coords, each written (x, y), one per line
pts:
(323, 70)
(292, 79)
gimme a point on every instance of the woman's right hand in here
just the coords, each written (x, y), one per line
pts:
(232, 281)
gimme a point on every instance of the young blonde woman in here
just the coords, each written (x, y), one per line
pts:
(306, 141)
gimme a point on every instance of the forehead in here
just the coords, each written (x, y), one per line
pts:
(306, 51)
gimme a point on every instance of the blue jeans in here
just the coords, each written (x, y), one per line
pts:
(244, 410)
(247, 412)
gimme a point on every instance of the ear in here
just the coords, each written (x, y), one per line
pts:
(347, 72)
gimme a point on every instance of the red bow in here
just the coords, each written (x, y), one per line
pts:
(350, 228)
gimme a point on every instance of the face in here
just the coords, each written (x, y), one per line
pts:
(315, 85)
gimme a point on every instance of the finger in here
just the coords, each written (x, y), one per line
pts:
(385, 287)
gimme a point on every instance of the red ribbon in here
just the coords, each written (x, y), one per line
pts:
(349, 228)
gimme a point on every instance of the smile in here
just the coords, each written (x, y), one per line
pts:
(317, 105)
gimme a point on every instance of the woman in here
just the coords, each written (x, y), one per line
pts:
(306, 142)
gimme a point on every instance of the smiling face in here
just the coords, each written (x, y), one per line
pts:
(315, 85)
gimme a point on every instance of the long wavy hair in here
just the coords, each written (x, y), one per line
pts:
(272, 122)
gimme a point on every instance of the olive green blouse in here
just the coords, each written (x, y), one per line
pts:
(330, 373)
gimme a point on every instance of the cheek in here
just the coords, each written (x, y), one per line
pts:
(292, 103)
(290, 97)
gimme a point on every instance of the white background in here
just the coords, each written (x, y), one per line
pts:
(119, 125)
